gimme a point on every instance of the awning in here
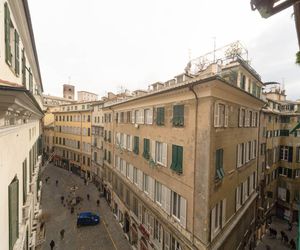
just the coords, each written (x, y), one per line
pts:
(295, 128)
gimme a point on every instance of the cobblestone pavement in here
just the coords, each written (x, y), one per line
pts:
(275, 243)
(107, 235)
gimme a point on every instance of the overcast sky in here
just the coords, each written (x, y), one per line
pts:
(100, 46)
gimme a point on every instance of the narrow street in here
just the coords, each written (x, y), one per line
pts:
(107, 235)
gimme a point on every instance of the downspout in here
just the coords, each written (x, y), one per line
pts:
(191, 88)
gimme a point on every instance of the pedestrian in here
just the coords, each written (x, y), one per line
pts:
(62, 199)
(84, 181)
(252, 244)
(46, 180)
(62, 234)
(98, 202)
(52, 244)
(293, 244)
(268, 247)
(88, 197)
(290, 226)
(72, 210)
(56, 182)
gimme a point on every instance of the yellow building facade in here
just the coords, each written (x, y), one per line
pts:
(73, 138)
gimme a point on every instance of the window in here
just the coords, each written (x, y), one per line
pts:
(148, 116)
(161, 153)
(218, 217)
(219, 164)
(128, 142)
(239, 196)
(135, 209)
(221, 115)
(160, 116)
(243, 81)
(95, 156)
(78, 144)
(109, 136)
(127, 170)
(136, 145)
(286, 153)
(178, 208)
(158, 192)
(139, 116)
(175, 244)
(177, 158)
(240, 154)
(178, 115)
(24, 165)
(146, 152)
(122, 117)
(146, 183)
(109, 157)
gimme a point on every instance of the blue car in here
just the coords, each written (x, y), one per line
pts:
(87, 218)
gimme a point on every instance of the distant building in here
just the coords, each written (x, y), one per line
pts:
(279, 157)
(20, 129)
(69, 92)
(52, 101)
(73, 138)
(85, 96)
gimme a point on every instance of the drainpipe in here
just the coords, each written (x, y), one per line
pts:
(191, 88)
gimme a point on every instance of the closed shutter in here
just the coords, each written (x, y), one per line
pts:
(166, 240)
(179, 159)
(247, 119)
(142, 118)
(130, 143)
(140, 179)
(150, 118)
(213, 221)
(223, 213)
(290, 159)
(216, 115)
(130, 172)
(7, 34)
(140, 214)
(23, 69)
(164, 154)
(151, 187)
(153, 150)
(17, 54)
(168, 200)
(13, 196)
(240, 118)
(238, 158)
(133, 117)
(226, 116)
(174, 157)
(183, 212)
(163, 197)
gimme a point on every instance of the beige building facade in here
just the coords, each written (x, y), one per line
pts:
(73, 138)
(180, 161)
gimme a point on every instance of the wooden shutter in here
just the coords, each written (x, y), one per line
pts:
(142, 118)
(213, 221)
(164, 153)
(151, 187)
(130, 143)
(17, 54)
(168, 200)
(140, 179)
(152, 142)
(130, 172)
(150, 118)
(183, 210)
(174, 157)
(223, 212)
(133, 116)
(179, 159)
(163, 197)
(226, 116)
(166, 240)
(216, 115)
(240, 118)
(7, 34)
(140, 212)
(13, 204)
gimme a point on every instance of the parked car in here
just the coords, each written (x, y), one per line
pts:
(87, 218)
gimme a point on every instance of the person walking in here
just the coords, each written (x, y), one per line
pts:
(62, 234)
(98, 202)
(56, 182)
(88, 197)
(62, 199)
(52, 244)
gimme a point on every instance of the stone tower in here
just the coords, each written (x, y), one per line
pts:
(69, 91)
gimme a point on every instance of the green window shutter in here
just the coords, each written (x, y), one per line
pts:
(7, 34)
(136, 145)
(13, 210)
(160, 116)
(17, 54)
(24, 181)
(146, 148)
(179, 159)
(23, 68)
(174, 157)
